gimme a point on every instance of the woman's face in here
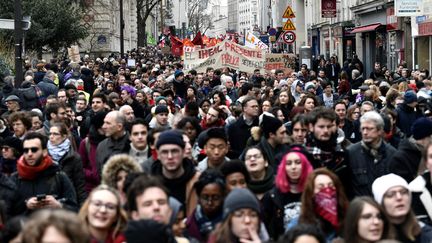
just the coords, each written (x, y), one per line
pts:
(190, 131)
(293, 167)
(205, 107)
(139, 97)
(8, 152)
(216, 99)
(211, 199)
(190, 92)
(322, 181)
(179, 225)
(188, 147)
(397, 203)
(283, 98)
(356, 114)
(55, 136)
(102, 210)
(36, 123)
(309, 104)
(235, 180)
(255, 161)
(120, 179)
(266, 106)
(370, 224)
(280, 116)
(244, 221)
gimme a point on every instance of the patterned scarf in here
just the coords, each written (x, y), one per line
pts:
(326, 205)
(58, 151)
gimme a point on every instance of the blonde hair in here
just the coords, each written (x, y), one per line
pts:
(119, 225)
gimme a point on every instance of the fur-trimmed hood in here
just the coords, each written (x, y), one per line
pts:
(115, 164)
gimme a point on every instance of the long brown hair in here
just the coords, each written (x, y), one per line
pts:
(308, 215)
(119, 225)
(223, 232)
(353, 215)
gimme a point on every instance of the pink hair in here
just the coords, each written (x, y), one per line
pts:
(282, 180)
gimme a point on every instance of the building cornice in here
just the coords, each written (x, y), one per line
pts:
(370, 6)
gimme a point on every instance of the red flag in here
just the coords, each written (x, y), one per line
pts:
(176, 46)
(198, 40)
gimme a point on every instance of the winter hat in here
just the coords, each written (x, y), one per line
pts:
(175, 206)
(309, 85)
(161, 109)
(240, 198)
(170, 137)
(410, 97)
(151, 230)
(382, 184)
(158, 99)
(15, 143)
(178, 73)
(270, 125)
(282, 83)
(421, 128)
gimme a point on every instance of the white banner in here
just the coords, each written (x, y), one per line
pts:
(252, 41)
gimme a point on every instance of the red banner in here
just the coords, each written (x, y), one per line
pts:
(328, 8)
(176, 46)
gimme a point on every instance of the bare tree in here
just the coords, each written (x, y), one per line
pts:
(198, 19)
(144, 10)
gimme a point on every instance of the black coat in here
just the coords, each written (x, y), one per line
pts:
(7, 189)
(406, 160)
(364, 168)
(238, 134)
(72, 166)
(51, 181)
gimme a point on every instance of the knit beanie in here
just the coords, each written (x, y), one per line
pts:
(161, 109)
(13, 142)
(410, 97)
(170, 137)
(269, 125)
(421, 128)
(240, 198)
(382, 184)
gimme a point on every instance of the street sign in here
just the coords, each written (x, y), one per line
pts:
(289, 25)
(289, 13)
(272, 31)
(289, 37)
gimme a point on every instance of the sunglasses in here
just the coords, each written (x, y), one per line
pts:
(33, 150)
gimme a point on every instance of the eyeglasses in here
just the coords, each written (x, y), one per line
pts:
(33, 150)
(6, 148)
(256, 156)
(111, 207)
(392, 194)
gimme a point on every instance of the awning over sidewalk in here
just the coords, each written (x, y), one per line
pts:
(365, 28)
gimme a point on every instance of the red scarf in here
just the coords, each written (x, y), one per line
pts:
(326, 205)
(28, 172)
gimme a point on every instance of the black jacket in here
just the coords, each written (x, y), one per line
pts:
(239, 133)
(406, 160)
(7, 189)
(51, 181)
(71, 165)
(364, 168)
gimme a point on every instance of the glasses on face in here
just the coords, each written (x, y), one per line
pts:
(6, 148)
(110, 207)
(173, 152)
(392, 194)
(255, 156)
(32, 149)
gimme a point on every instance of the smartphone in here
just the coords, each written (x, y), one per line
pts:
(40, 197)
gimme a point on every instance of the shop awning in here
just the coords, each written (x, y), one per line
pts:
(365, 28)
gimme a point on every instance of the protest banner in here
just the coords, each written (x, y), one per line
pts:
(252, 41)
(279, 61)
(74, 54)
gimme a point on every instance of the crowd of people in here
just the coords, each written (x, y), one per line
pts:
(99, 151)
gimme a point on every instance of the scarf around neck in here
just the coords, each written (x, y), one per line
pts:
(28, 172)
(58, 151)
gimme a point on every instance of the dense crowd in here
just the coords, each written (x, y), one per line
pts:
(99, 151)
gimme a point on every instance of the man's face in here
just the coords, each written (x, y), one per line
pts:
(251, 108)
(61, 115)
(138, 136)
(340, 110)
(377, 67)
(121, 80)
(322, 129)
(299, 133)
(216, 149)
(365, 108)
(97, 104)
(321, 74)
(171, 157)
(199, 79)
(18, 128)
(280, 76)
(33, 153)
(110, 126)
(229, 84)
(80, 105)
(71, 93)
(212, 116)
(153, 204)
(162, 118)
(370, 132)
(36, 123)
(328, 89)
(61, 96)
(12, 105)
(129, 114)
(281, 136)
